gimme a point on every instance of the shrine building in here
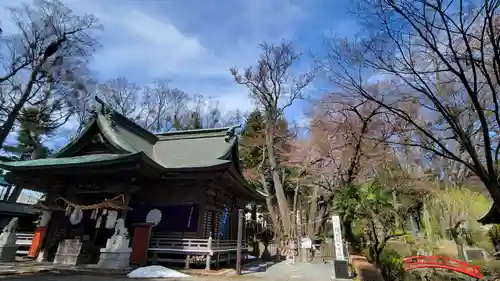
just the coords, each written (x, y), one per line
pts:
(180, 191)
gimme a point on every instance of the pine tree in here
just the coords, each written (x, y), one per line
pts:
(195, 121)
(35, 123)
(251, 140)
(176, 124)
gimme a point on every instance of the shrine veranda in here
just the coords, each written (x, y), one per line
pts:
(116, 169)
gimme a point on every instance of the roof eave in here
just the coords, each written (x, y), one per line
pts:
(201, 168)
(125, 158)
(254, 194)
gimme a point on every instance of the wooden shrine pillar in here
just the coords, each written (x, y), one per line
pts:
(126, 201)
(47, 243)
(40, 237)
(38, 240)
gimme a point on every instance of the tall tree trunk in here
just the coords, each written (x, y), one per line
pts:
(350, 238)
(14, 113)
(321, 218)
(37, 146)
(311, 218)
(269, 202)
(294, 210)
(493, 187)
(278, 186)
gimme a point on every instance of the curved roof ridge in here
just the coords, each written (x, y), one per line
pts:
(107, 129)
(125, 122)
(226, 130)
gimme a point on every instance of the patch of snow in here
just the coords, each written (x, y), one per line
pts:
(155, 271)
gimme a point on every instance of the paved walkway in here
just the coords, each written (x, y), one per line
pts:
(282, 271)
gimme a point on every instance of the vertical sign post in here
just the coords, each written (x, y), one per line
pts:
(337, 238)
(340, 265)
(239, 242)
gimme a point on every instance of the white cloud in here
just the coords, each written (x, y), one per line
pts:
(147, 40)
(153, 47)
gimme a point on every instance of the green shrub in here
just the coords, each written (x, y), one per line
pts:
(489, 268)
(494, 233)
(494, 236)
(391, 265)
(409, 239)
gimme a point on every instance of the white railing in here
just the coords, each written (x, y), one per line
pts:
(196, 250)
(202, 246)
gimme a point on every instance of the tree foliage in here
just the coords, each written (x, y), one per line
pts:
(46, 52)
(35, 125)
(442, 68)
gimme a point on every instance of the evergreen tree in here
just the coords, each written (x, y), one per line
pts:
(252, 147)
(195, 121)
(176, 124)
(251, 140)
(35, 123)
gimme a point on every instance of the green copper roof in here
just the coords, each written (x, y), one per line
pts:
(189, 149)
(195, 148)
(86, 159)
(172, 150)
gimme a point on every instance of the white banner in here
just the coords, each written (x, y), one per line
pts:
(337, 238)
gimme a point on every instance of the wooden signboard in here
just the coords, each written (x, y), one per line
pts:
(140, 243)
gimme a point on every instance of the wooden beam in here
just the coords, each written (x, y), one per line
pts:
(126, 203)
(239, 241)
(189, 176)
(110, 189)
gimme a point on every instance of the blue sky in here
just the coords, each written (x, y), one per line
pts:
(194, 43)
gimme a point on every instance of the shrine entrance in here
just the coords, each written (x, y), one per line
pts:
(81, 229)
